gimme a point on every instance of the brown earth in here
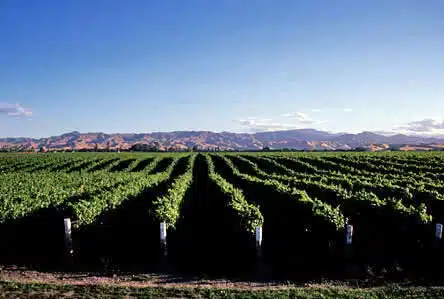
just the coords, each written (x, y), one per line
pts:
(136, 281)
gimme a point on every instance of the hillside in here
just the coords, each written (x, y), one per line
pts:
(304, 139)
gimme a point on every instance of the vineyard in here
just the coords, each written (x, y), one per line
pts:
(212, 204)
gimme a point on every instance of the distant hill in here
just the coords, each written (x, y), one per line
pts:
(303, 139)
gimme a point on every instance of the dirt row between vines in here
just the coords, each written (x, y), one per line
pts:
(137, 281)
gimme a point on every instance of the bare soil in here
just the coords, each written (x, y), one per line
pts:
(22, 275)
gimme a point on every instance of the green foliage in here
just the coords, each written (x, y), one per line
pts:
(329, 188)
(249, 214)
(297, 199)
(167, 207)
(406, 199)
(84, 194)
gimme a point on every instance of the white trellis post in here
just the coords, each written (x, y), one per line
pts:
(259, 240)
(349, 236)
(348, 241)
(68, 237)
(438, 235)
(438, 232)
(163, 238)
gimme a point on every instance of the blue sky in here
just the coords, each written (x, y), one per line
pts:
(225, 65)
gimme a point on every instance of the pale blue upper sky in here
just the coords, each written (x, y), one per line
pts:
(242, 66)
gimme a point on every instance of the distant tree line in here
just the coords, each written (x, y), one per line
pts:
(155, 147)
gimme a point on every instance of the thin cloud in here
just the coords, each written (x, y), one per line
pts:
(385, 133)
(300, 117)
(427, 125)
(316, 110)
(295, 120)
(14, 110)
(347, 109)
(257, 126)
(296, 114)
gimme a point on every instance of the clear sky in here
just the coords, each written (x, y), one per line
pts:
(220, 65)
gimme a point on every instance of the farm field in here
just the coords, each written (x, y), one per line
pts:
(212, 204)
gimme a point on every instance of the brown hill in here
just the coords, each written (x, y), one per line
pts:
(304, 139)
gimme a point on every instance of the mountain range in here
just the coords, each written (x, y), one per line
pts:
(302, 139)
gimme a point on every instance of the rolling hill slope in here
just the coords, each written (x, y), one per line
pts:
(303, 139)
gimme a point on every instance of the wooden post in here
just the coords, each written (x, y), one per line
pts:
(68, 237)
(163, 240)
